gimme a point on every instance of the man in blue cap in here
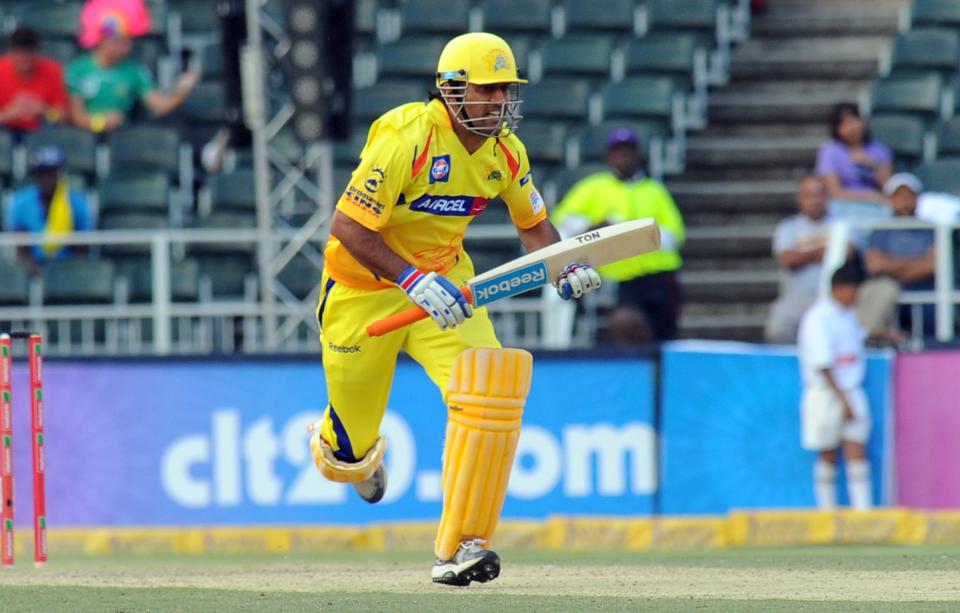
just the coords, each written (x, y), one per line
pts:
(48, 206)
(649, 295)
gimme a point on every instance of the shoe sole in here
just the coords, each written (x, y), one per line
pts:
(377, 494)
(482, 570)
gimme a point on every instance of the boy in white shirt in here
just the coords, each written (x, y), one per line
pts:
(834, 407)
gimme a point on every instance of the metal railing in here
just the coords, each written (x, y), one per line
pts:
(235, 324)
(944, 296)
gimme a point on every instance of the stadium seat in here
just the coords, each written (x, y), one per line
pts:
(148, 51)
(300, 276)
(935, 13)
(696, 16)
(592, 140)
(234, 192)
(546, 142)
(223, 221)
(904, 135)
(145, 149)
(80, 146)
(132, 220)
(578, 56)
(673, 56)
(616, 16)
(198, 19)
(918, 95)
(569, 177)
(410, 58)
(61, 50)
(640, 98)
(940, 176)
(502, 16)
(564, 99)
(369, 103)
(925, 49)
(148, 194)
(6, 155)
(365, 18)
(15, 289)
(211, 62)
(948, 139)
(206, 104)
(435, 16)
(51, 20)
(78, 282)
(184, 280)
(227, 273)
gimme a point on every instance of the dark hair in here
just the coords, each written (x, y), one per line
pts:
(851, 273)
(836, 116)
(24, 37)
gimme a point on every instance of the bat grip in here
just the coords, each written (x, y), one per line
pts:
(405, 317)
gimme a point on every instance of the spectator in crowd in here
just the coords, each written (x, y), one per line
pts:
(834, 409)
(799, 243)
(32, 90)
(854, 166)
(48, 206)
(105, 85)
(903, 257)
(648, 288)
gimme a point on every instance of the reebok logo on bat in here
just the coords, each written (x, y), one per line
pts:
(510, 284)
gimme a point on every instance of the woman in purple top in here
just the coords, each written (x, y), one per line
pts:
(853, 166)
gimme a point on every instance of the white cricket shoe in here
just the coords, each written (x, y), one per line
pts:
(373, 489)
(470, 563)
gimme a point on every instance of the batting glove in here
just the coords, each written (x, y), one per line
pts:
(576, 280)
(437, 296)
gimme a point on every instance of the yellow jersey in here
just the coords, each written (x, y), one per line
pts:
(419, 188)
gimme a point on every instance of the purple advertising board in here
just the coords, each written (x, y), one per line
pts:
(928, 430)
(183, 442)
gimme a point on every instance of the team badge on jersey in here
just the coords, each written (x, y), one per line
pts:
(372, 184)
(440, 169)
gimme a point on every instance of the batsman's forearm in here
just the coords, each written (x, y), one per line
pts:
(539, 236)
(367, 247)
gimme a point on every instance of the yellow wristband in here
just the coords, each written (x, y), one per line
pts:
(98, 122)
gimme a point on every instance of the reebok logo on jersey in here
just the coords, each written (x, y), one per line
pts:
(343, 348)
(440, 169)
(449, 205)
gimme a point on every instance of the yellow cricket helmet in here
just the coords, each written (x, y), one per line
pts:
(479, 58)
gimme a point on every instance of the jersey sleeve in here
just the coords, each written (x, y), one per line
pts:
(385, 168)
(815, 341)
(525, 203)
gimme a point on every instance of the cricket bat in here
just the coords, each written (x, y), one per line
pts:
(537, 268)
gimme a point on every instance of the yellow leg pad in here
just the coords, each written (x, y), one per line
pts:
(345, 472)
(488, 388)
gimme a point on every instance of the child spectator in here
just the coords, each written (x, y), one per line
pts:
(32, 90)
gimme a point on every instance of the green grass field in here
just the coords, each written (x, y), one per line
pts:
(851, 578)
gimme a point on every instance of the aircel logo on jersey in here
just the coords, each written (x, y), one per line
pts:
(449, 205)
(510, 284)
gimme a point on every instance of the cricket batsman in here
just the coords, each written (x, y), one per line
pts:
(426, 171)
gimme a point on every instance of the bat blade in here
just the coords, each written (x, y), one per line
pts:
(537, 268)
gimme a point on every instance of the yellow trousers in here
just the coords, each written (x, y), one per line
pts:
(359, 369)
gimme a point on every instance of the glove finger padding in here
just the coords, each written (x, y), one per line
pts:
(576, 280)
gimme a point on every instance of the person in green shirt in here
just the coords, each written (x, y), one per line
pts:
(648, 291)
(105, 85)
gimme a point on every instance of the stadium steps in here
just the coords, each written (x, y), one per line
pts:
(764, 129)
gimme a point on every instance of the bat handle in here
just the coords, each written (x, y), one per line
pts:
(405, 318)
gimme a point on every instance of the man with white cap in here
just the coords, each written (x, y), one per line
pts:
(904, 255)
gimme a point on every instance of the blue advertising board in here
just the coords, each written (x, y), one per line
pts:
(220, 443)
(730, 428)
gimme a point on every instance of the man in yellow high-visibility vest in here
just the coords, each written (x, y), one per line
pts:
(648, 288)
